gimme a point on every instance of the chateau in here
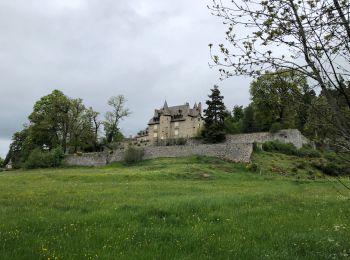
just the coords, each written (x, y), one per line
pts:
(172, 122)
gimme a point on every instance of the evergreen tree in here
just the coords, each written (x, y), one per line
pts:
(214, 117)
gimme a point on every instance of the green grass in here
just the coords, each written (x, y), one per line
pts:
(183, 208)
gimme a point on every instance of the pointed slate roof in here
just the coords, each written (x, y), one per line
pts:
(177, 113)
(166, 110)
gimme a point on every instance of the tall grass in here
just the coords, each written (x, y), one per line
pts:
(184, 208)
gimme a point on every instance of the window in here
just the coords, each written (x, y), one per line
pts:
(176, 132)
(155, 135)
(155, 127)
(176, 123)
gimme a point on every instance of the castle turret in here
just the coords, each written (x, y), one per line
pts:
(166, 110)
(199, 108)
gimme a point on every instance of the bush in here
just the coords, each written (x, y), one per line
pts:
(307, 151)
(171, 142)
(301, 165)
(257, 147)
(44, 159)
(253, 167)
(275, 127)
(290, 149)
(277, 146)
(331, 168)
(133, 154)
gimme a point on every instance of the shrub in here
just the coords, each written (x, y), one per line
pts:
(254, 167)
(286, 148)
(290, 149)
(307, 151)
(171, 142)
(133, 154)
(44, 159)
(275, 127)
(301, 165)
(331, 156)
(256, 147)
(295, 170)
(331, 168)
(181, 141)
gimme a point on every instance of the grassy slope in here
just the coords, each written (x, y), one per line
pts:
(170, 208)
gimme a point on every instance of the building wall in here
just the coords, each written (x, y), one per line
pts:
(188, 128)
(166, 129)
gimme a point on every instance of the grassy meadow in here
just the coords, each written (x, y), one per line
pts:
(173, 208)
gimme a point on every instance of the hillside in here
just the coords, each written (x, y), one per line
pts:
(179, 208)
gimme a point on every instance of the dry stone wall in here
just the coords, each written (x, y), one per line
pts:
(287, 136)
(232, 152)
(87, 159)
(237, 148)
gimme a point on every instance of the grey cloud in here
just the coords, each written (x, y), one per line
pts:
(147, 50)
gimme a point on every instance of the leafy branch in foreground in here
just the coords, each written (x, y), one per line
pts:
(309, 37)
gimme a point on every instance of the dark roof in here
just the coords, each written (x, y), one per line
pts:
(177, 113)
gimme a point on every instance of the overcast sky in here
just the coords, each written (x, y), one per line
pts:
(147, 50)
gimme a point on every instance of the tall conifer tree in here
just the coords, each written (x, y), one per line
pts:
(214, 116)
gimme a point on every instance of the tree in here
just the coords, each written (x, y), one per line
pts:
(96, 127)
(310, 37)
(112, 118)
(2, 162)
(81, 132)
(20, 147)
(276, 99)
(305, 108)
(238, 113)
(248, 124)
(49, 121)
(233, 121)
(320, 124)
(214, 116)
(57, 122)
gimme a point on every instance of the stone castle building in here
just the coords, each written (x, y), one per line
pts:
(172, 123)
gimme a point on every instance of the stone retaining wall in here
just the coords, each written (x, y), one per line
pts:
(237, 148)
(287, 136)
(232, 152)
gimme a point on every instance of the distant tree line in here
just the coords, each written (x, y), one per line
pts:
(58, 125)
(278, 101)
(310, 38)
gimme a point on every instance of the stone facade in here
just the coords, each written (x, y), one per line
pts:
(171, 123)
